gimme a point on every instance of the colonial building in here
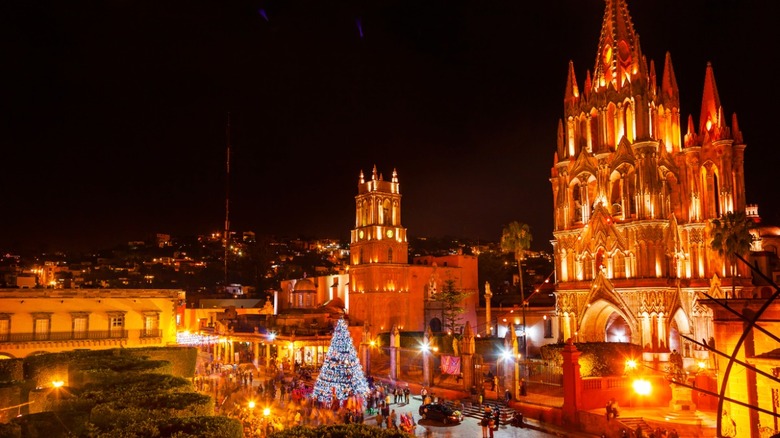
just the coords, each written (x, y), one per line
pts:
(635, 188)
(36, 321)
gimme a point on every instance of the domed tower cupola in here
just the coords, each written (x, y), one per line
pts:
(304, 294)
(378, 236)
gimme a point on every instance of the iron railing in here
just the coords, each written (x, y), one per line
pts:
(63, 336)
(151, 333)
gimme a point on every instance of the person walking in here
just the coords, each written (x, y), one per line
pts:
(485, 423)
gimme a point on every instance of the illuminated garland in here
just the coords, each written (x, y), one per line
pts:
(187, 338)
(341, 374)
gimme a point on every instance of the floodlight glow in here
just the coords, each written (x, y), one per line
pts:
(642, 387)
(57, 383)
(631, 364)
(251, 404)
(267, 411)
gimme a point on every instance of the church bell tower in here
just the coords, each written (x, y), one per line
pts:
(378, 237)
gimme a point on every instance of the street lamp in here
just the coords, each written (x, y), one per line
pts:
(642, 386)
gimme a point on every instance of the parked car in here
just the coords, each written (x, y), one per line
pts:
(439, 412)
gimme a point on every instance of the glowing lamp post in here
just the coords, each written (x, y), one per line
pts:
(642, 387)
(251, 406)
(631, 366)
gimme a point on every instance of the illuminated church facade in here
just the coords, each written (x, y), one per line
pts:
(635, 189)
(381, 289)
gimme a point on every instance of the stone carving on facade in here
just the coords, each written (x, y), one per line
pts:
(715, 290)
(565, 302)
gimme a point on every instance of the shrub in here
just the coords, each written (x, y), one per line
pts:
(120, 385)
(134, 407)
(598, 359)
(11, 370)
(204, 427)
(50, 425)
(339, 431)
(10, 430)
(182, 359)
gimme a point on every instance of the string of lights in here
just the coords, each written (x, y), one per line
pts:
(341, 375)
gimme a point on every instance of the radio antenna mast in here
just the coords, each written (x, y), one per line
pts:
(226, 237)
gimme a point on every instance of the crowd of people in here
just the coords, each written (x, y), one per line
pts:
(490, 421)
(269, 400)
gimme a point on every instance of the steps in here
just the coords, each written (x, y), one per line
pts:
(631, 423)
(476, 411)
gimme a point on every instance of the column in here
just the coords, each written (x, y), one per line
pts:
(467, 357)
(267, 355)
(572, 384)
(662, 331)
(395, 354)
(365, 350)
(427, 358)
(488, 322)
(255, 353)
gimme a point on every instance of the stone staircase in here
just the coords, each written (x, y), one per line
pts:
(631, 424)
(474, 410)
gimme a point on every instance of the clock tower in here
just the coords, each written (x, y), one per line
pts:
(378, 236)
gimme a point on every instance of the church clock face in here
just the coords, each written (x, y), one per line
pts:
(360, 234)
(389, 234)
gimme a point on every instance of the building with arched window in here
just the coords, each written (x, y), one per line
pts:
(634, 193)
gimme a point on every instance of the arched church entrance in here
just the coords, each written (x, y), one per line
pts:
(618, 329)
(678, 326)
(603, 321)
(435, 325)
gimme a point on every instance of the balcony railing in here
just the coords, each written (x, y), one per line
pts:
(64, 336)
(151, 333)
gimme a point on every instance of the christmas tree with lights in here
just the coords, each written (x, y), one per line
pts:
(341, 376)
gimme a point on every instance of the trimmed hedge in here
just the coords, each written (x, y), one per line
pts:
(10, 430)
(203, 427)
(123, 385)
(340, 431)
(598, 359)
(52, 425)
(11, 370)
(119, 393)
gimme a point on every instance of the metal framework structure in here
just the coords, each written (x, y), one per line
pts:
(732, 356)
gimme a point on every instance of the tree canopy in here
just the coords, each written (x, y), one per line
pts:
(731, 237)
(516, 238)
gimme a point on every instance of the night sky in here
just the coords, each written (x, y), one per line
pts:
(114, 113)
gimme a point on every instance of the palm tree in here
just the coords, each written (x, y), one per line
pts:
(731, 237)
(516, 239)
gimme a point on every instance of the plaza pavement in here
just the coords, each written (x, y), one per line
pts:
(470, 427)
